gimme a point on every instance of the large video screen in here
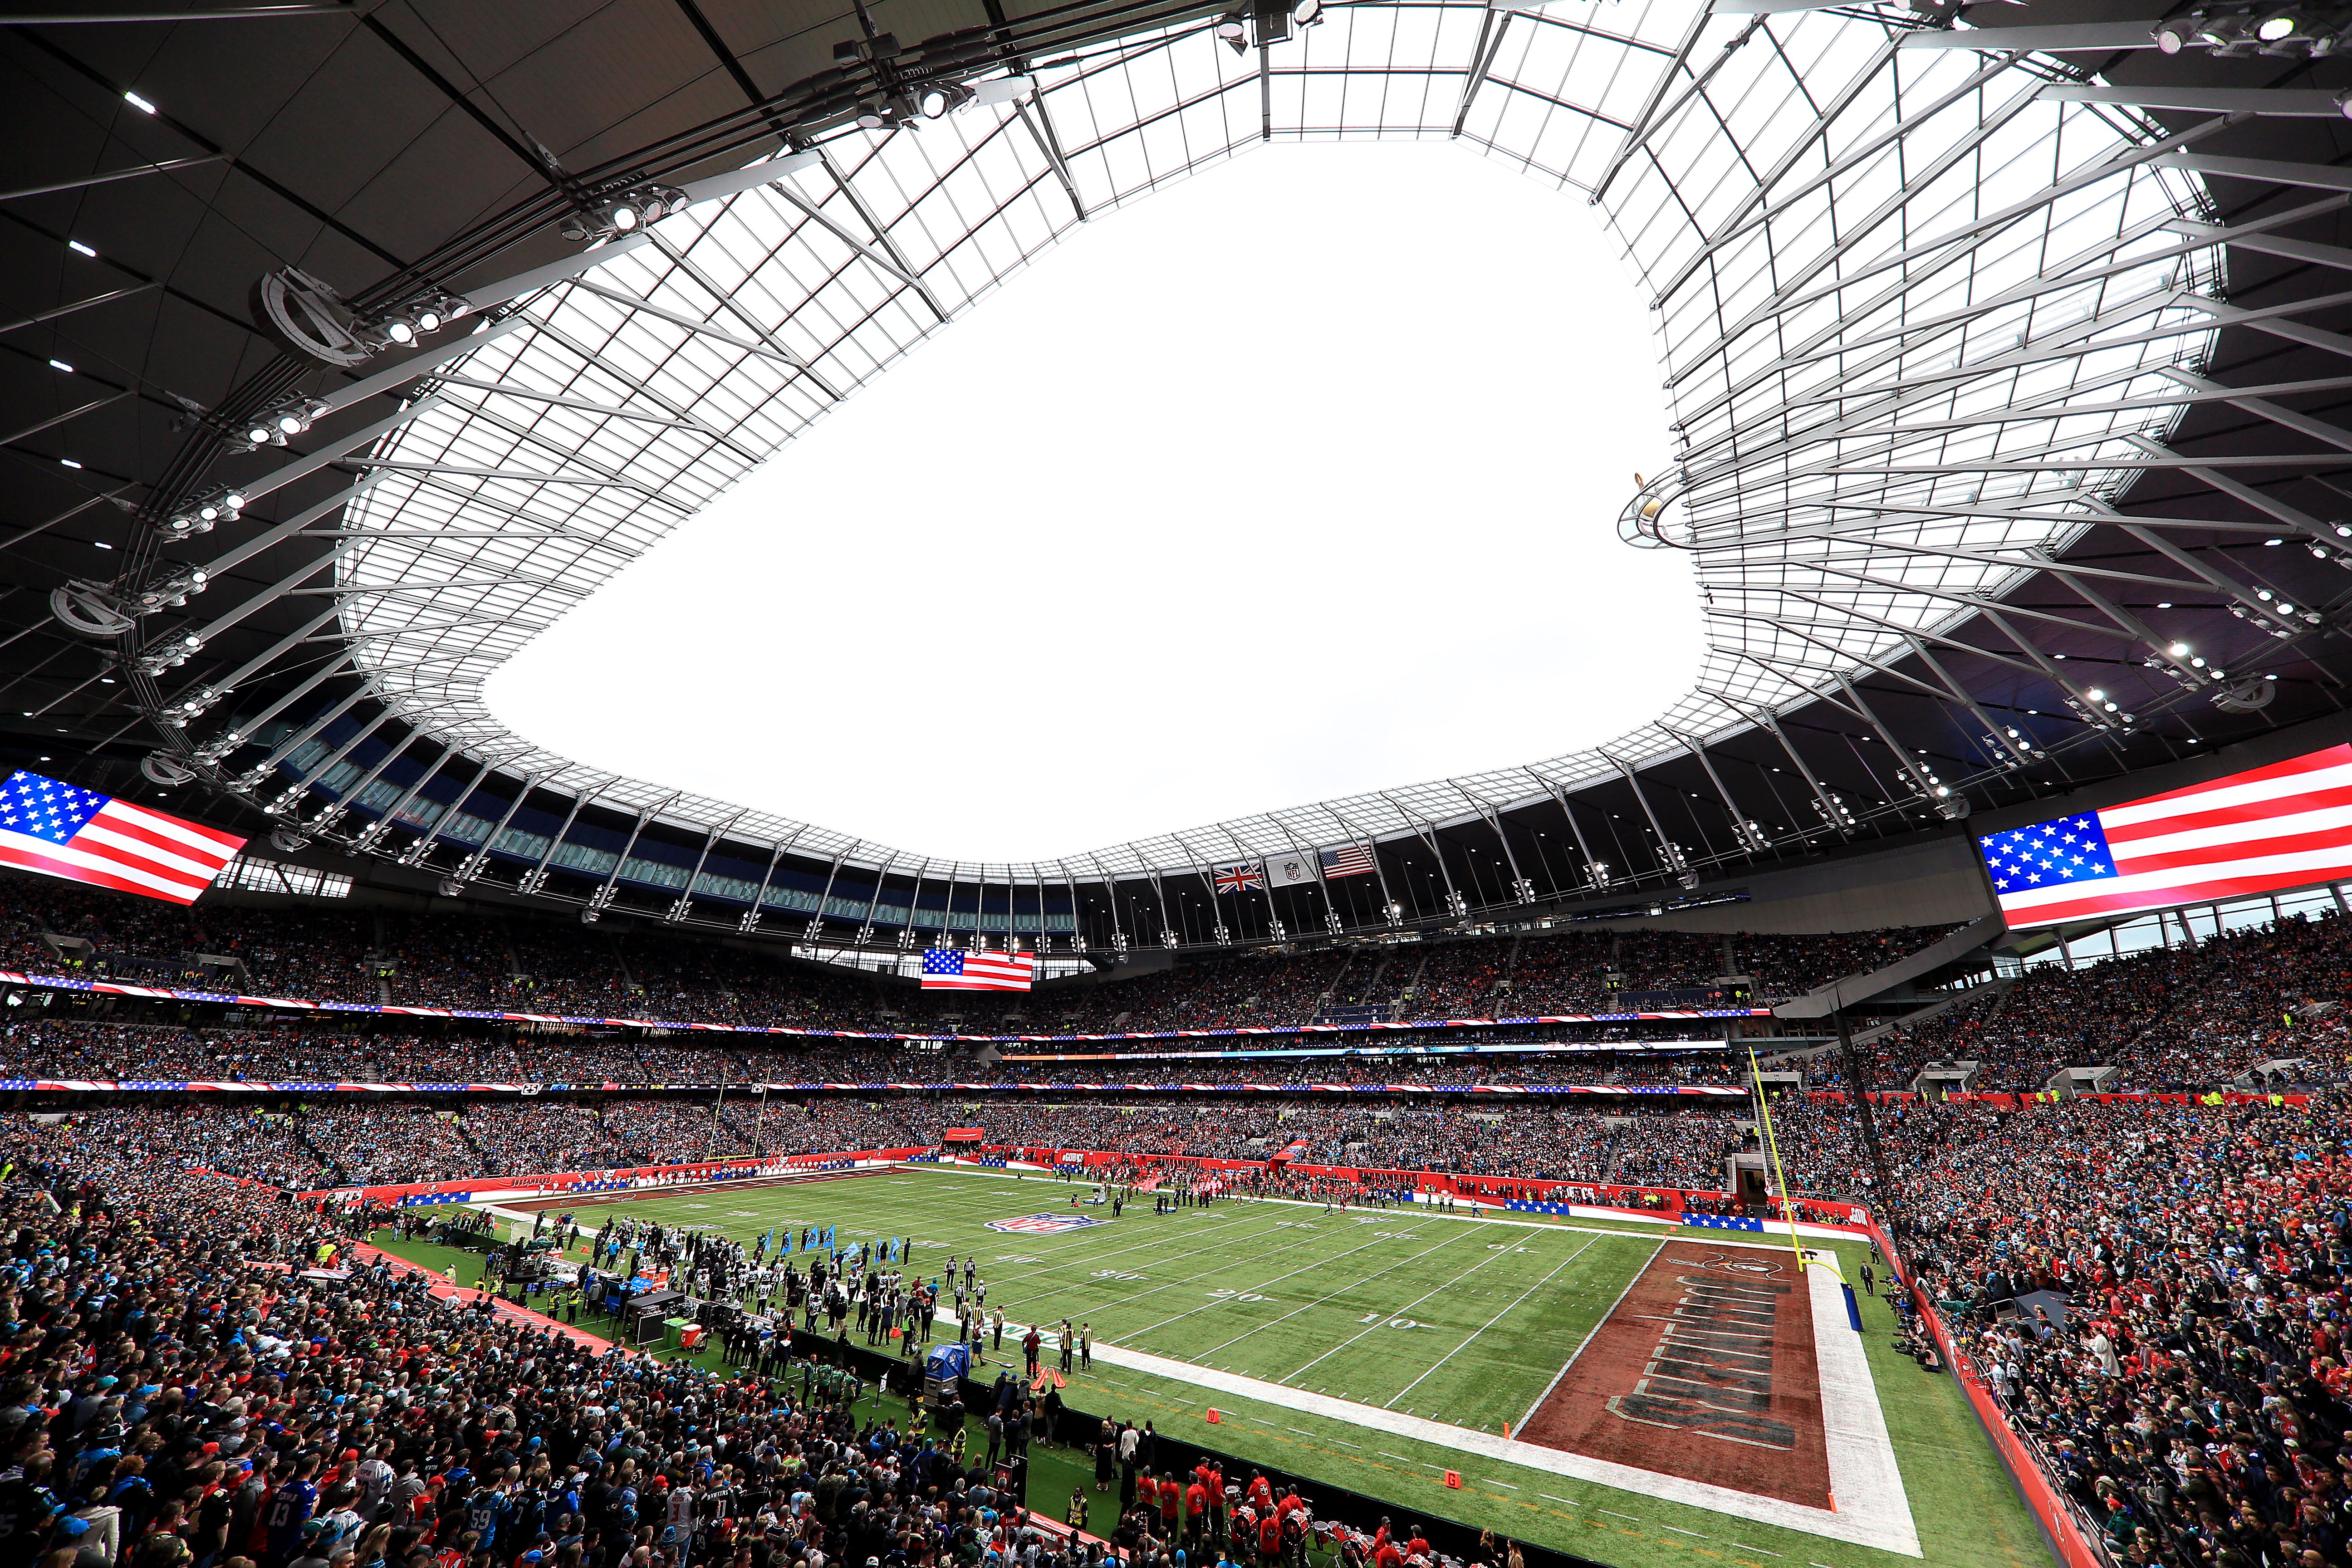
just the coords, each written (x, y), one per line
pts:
(60, 829)
(2260, 831)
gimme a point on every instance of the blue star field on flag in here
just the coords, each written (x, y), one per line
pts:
(47, 808)
(2067, 851)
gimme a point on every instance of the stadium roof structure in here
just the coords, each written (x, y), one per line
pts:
(350, 345)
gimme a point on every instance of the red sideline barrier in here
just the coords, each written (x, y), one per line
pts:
(565, 1181)
(2057, 1520)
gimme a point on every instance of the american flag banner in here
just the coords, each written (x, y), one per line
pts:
(2262, 831)
(59, 830)
(1240, 878)
(1349, 861)
(949, 969)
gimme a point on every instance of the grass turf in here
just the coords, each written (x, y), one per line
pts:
(1457, 1319)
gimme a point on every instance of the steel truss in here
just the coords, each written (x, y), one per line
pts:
(1922, 313)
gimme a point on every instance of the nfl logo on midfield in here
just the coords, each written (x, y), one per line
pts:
(1046, 1224)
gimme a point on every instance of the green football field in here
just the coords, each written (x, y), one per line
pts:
(1451, 1319)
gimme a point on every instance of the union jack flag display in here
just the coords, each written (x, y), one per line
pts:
(1240, 878)
(52, 828)
(2262, 831)
(949, 969)
(1349, 861)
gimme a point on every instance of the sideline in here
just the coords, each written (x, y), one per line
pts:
(1873, 1517)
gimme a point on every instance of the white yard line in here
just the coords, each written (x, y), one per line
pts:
(1457, 1279)
(1320, 1301)
(1871, 1517)
(1277, 1279)
(1588, 1338)
(1497, 1318)
(1131, 1297)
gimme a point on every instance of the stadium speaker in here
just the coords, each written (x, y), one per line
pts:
(164, 769)
(450, 888)
(2245, 695)
(288, 841)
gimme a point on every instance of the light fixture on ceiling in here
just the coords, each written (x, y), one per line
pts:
(274, 425)
(137, 102)
(202, 514)
(624, 211)
(940, 98)
(1003, 89)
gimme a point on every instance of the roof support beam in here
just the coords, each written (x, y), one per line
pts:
(1049, 141)
(1646, 123)
(113, 174)
(898, 258)
(734, 306)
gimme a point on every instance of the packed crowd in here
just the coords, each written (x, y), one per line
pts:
(2155, 1292)
(214, 1384)
(2170, 1018)
(336, 1144)
(524, 964)
(57, 1044)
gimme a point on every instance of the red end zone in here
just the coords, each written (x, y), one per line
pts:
(1704, 1369)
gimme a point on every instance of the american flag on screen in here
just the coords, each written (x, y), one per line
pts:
(947, 969)
(1349, 861)
(59, 830)
(2262, 831)
(1240, 878)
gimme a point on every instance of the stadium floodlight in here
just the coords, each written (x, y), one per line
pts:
(624, 213)
(940, 98)
(2279, 26)
(1231, 29)
(1003, 89)
(1307, 13)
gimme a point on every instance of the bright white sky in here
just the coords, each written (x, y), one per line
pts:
(1297, 480)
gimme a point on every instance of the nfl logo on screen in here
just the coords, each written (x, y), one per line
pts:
(1046, 1224)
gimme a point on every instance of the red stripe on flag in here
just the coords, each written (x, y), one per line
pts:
(2165, 898)
(2315, 762)
(12, 856)
(128, 826)
(2242, 849)
(2226, 817)
(227, 844)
